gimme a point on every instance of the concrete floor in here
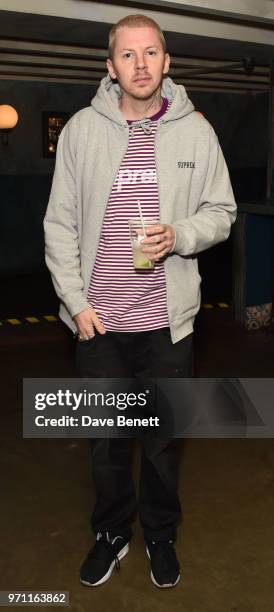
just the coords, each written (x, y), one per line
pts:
(226, 540)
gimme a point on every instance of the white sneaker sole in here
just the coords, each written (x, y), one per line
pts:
(162, 586)
(120, 556)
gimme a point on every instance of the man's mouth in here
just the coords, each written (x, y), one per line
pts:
(140, 79)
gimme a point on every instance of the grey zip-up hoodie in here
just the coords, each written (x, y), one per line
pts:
(195, 196)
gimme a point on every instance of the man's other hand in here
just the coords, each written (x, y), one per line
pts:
(159, 242)
(87, 322)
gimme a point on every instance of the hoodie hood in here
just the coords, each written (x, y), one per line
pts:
(105, 101)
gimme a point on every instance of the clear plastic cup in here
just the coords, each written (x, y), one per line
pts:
(136, 230)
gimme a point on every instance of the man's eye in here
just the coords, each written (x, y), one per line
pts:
(152, 52)
(127, 55)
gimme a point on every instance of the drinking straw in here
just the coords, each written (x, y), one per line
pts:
(141, 217)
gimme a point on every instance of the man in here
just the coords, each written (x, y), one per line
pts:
(140, 141)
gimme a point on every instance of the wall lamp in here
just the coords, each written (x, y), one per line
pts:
(8, 120)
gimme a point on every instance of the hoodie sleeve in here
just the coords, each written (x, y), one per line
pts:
(216, 210)
(60, 224)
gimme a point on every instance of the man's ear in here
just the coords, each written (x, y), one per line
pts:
(167, 63)
(110, 68)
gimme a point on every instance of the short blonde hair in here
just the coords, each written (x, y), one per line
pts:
(134, 21)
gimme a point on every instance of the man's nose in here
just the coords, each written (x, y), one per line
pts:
(140, 61)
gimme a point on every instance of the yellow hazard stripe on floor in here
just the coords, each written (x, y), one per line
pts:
(14, 321)
(218, 305)
(32, 319)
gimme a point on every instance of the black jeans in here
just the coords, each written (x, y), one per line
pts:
(148, 354)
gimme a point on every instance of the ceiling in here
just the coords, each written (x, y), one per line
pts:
(55, 49)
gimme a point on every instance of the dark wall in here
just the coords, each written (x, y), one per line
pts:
(259, 260)
(24, 154)
(25, 175)
(241, 123)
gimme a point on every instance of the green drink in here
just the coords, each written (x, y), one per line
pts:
(136, 228)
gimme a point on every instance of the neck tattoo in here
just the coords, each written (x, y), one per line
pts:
(154, 104)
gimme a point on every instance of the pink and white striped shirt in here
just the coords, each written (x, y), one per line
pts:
(125, 299)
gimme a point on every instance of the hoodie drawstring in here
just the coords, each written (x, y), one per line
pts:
(145, 124)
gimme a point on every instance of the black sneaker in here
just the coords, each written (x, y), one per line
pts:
(102, 558)
(165, 569)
